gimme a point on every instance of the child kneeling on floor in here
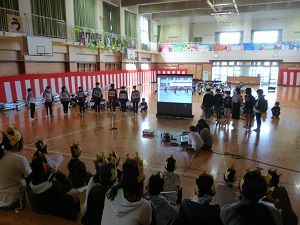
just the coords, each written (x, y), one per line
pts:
(275, 111)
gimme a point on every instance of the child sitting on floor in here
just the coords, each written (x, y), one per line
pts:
(79, 176)
(143, 105)
(275, 111)
(172, 180)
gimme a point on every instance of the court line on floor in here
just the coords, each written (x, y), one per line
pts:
(89, 128)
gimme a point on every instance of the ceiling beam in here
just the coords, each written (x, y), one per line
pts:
(175, 6)
(242, 9)
(126, 3)
(203, 5)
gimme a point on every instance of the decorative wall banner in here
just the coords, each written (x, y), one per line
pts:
(185, 48)
(13, 88)
(180, 47)
(15, 23)
(108, 41)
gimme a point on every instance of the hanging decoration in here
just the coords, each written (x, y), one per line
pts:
(15, 23)
(107, 41)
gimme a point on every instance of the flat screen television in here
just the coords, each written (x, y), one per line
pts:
(174, 95)
(173, 88)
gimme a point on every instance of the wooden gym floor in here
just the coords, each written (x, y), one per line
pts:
(276, 146)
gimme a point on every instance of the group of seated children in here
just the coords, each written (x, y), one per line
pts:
(200, 137)
(117, 197)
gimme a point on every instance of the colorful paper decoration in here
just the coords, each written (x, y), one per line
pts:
(108, 41)
(15, 23)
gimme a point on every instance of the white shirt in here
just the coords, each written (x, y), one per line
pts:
(195, 140)
(13, 168)
(122, 212)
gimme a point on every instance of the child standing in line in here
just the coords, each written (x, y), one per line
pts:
(227, 106)
(112, 96)
(144, 105)
(48, 99)
(97, 96)
(275, 111)
(30, 100)
(65, 99)
(77, 169)
(135, 98)
(81, 100)
(123, 98)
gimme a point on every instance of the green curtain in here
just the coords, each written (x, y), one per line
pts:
(85, 13)
(106, 15)
(10, 4)
(158, 33)
(111, 22)
(115, 19)
(54, 10)
(130, 24)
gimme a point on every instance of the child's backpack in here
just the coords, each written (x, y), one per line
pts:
(264, 106)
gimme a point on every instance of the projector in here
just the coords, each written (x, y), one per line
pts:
(148, 132)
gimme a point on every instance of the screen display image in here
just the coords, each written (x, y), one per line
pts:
(175, 89)
(184, 138)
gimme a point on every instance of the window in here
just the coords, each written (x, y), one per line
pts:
(266, 70)
(230, 38)
(144, 25)
(198, 39)
(130, 66)
(145, 66)
(48, 18)
(271, 36)
(130, 24)
(111, 22)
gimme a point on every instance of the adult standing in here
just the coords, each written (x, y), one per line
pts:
(112, 96)
(236, 106)
(123, 98)
(13, 168)
(248, 108)
(135, 98)
(218, 103)
(258, 108)
(65, 99)
(97, 97)
(48, 99)
(208, 102)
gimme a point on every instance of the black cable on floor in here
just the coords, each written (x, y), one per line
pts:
(237, 156)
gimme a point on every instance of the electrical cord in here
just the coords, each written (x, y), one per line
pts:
(237, 156)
